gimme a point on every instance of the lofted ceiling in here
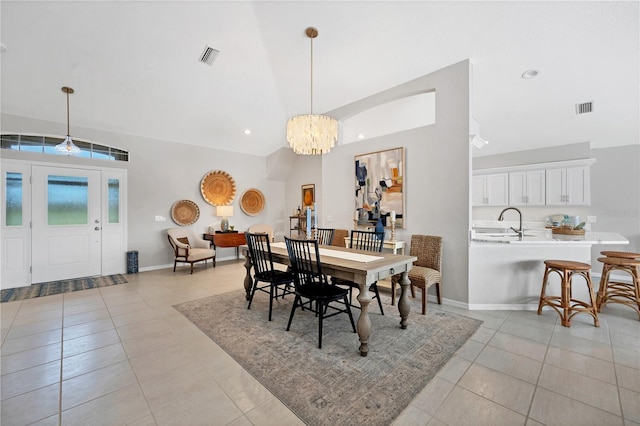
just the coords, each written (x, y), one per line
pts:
(135, 66)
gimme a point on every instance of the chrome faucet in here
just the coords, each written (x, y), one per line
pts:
(501, 217)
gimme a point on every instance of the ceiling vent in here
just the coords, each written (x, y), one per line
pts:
(209, 55)
(584, 108)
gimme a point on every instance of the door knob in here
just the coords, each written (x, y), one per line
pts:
(97, 228)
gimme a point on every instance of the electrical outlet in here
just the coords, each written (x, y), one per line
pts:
(161, 219)
(329, 219)
(591, 219)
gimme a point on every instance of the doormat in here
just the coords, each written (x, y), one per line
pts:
(57, 287)
(333, 385)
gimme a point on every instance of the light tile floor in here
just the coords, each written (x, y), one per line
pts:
(123, 355)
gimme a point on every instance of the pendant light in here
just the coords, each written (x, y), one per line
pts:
(67, 146)
(312, 134)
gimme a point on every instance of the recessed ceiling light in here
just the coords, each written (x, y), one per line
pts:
(360, 136)
(529, 74)
(247, 131)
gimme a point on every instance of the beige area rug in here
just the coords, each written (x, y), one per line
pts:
(333, 385)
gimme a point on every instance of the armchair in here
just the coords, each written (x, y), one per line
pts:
(189, 247)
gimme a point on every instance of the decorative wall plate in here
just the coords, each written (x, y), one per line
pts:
(252, 202)
(185, 212)
(218, 188)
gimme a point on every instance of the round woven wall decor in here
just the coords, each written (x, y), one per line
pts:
(185, 212)
(252, 202)
(218, 188)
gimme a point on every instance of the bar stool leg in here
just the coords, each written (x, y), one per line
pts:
(592, 296)
(544, 287)
(565, 300)
(602, 289)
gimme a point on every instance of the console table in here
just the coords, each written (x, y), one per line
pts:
(227, 239)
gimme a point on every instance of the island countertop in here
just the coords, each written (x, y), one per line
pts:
(545, 237)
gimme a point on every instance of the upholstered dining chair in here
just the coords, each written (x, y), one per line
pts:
(368, 241)
(312, 285)
(426, 270)
(262, 261)
(325, 236)
(262, 228)
(189, 247)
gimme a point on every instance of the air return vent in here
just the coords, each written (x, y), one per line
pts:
(584, 108)
(209, 55)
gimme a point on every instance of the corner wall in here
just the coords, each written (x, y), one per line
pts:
(437, 172)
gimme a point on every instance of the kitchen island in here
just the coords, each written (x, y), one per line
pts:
(506, 270)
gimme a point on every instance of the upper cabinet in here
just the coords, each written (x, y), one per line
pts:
(569, 186)
(490, 190)
(553, 184)
(527, 188)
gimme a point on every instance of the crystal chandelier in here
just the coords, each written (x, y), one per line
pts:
(312, 134)
(67, 146)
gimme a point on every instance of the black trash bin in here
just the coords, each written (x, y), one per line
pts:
(132, 262)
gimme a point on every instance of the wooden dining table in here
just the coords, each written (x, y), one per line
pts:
(362, 273)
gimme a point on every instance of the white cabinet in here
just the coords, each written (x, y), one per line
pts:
(568, 186)
(490, 190)
(527, 188)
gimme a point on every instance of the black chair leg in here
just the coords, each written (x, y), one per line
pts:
(293, 310)
(321, 308)
(375, 290)
(253, 292)
(347, 305)
(272, 287)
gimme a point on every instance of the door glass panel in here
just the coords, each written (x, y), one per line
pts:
(13, 206)
(67, 200)
(114, 200)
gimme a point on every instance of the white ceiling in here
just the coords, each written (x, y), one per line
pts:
(134, 65)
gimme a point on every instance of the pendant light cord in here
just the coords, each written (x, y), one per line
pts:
(311, 76)
(68, 133)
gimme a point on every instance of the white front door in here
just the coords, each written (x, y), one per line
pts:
(67, 223)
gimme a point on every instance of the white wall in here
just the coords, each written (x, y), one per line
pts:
(437, 172)
(161, 173)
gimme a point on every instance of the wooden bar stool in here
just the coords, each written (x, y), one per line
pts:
(564, 305)
(616, 291)
(621, 254)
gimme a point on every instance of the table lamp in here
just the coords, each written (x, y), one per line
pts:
(224, 212)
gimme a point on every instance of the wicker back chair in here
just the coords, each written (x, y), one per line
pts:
(339, 236)
(426, 270)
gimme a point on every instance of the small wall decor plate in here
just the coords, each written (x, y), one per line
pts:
(218, 188)
(185, 212)
(252, 202)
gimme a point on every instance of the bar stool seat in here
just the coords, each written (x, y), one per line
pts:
(564, 305)
(616, 291)
(621, 254)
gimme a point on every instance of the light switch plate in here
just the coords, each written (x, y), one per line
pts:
(591, 219)
(161, 219)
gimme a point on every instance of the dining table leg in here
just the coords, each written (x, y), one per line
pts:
(403, 303)
(248, 282)
(364, 322)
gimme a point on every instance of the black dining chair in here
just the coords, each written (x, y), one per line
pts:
(368, 241)
(325, 236)
(311, 284)
(262, 261)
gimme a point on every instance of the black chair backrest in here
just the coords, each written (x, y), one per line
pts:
(325, 236)
(367, 240)
(304, 256)
(260, 252)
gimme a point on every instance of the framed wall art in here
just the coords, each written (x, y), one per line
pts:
(308, 196)
(380, 187)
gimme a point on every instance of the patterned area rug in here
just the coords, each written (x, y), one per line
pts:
(333, 385)
(57, 287)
